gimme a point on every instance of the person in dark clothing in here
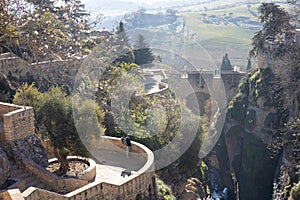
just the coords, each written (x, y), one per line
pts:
(128, 145)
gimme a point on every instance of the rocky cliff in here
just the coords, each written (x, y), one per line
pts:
(10, 152)
(257, 154)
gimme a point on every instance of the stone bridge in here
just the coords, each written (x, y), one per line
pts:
(204, 83)
(202, 80)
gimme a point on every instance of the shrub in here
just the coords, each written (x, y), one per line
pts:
(295, 192)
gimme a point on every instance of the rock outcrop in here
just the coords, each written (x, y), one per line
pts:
(31, 148)
(4, 168)
(12, 152)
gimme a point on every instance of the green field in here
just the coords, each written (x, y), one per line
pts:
(203, 37)
(223, 31)
(203, 33)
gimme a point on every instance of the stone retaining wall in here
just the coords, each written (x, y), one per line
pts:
(140, 184)
(18, 121)
(55, 72)
(88, 174)
(57, 184)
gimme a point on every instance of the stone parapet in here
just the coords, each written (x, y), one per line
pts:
(140, 184)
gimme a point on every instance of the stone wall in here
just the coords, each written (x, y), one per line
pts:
(88, 174)
(231, 81)
(204, 81)
(57, 184)
(142, 183)
(12, 65)
(43, 73)
(6, 108)
(18, 121)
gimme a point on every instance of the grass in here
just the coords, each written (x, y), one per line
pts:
(232, 25)
(219, 38)
(204, 44)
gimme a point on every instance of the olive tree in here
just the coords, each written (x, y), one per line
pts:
(54, 120)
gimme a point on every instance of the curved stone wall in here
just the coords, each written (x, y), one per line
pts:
(88, 174)
(141, 183)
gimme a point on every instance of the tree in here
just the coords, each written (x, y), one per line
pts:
(142, 52)
(54, 115)
(123, 50)
(108, 86)
(275, 19)
(53, 110)
(9, 20)
(121, 34)
(171, 12)
(135, 19)
(249, 64)
(27, 95)
(294, 13)
(226, 65)
(40, 30)
(276, 24)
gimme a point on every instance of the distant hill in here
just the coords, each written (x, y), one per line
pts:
(114, 10)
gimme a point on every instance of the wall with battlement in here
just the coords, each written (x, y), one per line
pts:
(201, 81)
(18, 121)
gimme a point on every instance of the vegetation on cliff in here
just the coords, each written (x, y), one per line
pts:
(276, 21)
(266, 100)
(295, 192)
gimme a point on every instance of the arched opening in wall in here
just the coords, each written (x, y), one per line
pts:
(202, 101)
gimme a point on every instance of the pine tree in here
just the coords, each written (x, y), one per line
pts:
(226, 65)
(276, 21)
(143, 54)
(249, 66)
(123, 49)
(122, 38)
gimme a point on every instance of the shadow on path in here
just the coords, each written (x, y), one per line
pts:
(113, 166)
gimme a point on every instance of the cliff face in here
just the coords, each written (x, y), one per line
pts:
(253, 150)
(29, 147)
(287, 182)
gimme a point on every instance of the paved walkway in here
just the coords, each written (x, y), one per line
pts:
(111, 163)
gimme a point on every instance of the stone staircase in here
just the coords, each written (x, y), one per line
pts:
(27, 179)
